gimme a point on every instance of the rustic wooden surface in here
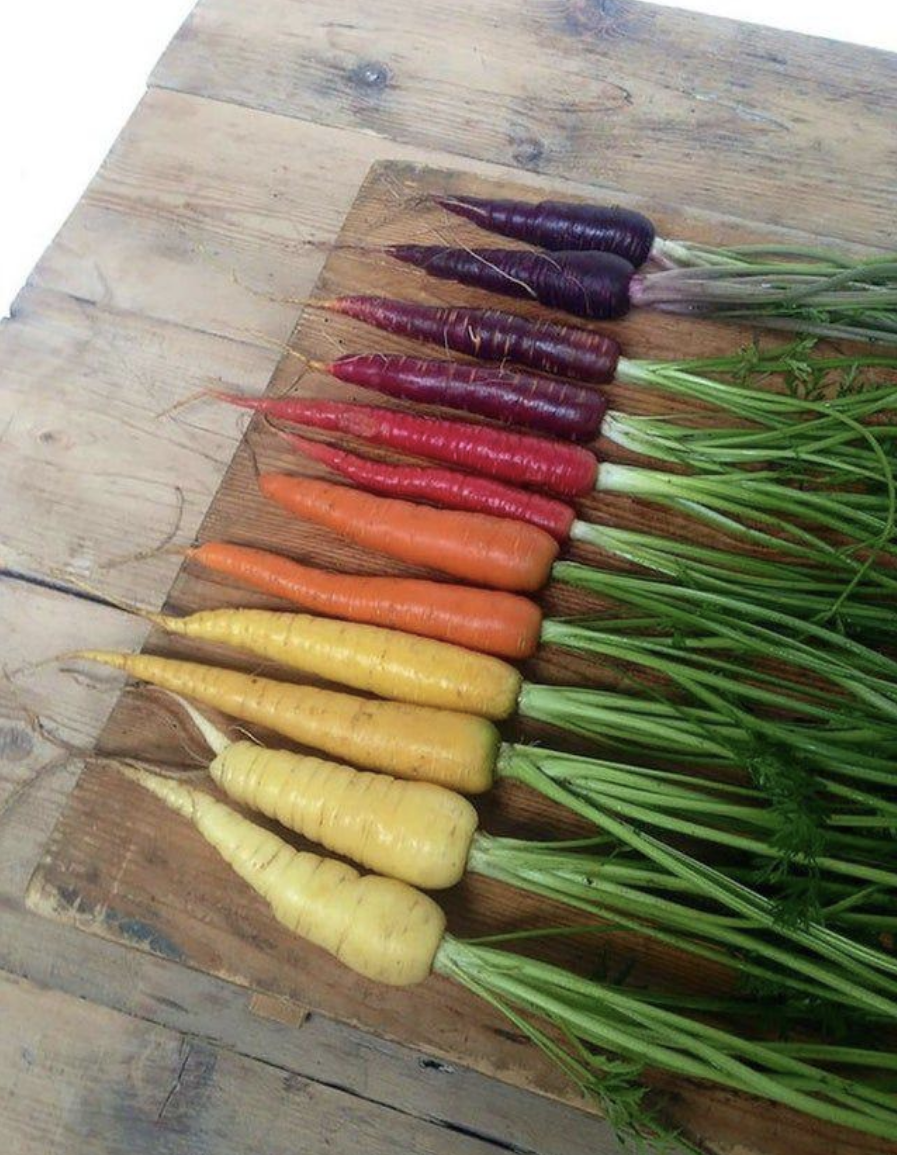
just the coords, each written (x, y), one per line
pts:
(107, 869)
(215, 206)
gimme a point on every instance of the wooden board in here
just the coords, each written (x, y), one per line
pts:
(77, 1078)
(717, 114)
(119, 866)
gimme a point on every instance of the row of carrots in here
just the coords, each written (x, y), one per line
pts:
(438, 658)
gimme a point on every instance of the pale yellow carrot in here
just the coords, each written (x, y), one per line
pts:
(415, 831)
(380, 927)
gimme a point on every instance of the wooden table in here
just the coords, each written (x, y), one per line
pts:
(181, 266)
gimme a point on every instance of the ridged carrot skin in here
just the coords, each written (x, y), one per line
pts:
(561, 225)
(444, 487)
(451, 749)
(518, 458)
(586, 284)
(491, 621)
(414, 831)
(529, 400)
(389, 663)
(490, 335)
(382, 928)
(484, 550)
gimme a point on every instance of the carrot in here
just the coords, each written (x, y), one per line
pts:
(561, 225)
(530, 400)
(446, 487)
(408, 741)
(414, 831)
(490, 335)
(586, 284)
(379, 661)
(484, 550)
(518, 458)
(826, 297)
(492, 621)
(380, 927)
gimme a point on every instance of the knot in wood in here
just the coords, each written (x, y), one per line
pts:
(370, 74)
(15, 743)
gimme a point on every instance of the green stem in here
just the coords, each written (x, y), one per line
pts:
(605, 1017)
(868, 969)
(759, 628)
(795, 590)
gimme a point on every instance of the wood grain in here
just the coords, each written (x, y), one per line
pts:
(714, 113)
(75, 1077)
(104, 481)
(200, 218)
(107, 870)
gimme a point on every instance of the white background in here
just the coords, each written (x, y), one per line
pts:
(72, 70)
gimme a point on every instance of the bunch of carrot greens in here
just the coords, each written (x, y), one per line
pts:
(761, 838)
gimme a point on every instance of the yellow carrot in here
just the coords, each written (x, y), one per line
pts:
(405, 740)
(381, 661)
(415, 831)
(380, 927)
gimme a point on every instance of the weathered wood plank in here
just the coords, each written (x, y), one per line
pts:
(47, 710)
(201, 215)
(77, 1077)
(320, 1049)
(96, 471)
(667, 104)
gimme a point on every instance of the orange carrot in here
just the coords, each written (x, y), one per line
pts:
(488, 620)
(478, 547)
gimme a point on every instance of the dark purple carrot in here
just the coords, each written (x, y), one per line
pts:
(443, 487)
(490, 335)
(561, 226)
(586, 284)
(545, 404)
(518, 458)
(817, 293)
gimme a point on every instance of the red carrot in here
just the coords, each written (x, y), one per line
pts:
(561, 225)
(491, 335)
(557, 408)
(587, 284)
(518, 458)
(444, 487)
(488, 551)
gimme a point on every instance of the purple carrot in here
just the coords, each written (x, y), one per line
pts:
(545, 404)
(592, 285)
(490, 335)
(561, 226)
